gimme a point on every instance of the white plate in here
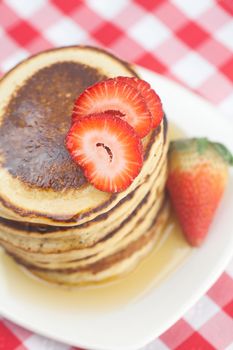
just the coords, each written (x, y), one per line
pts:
(134, 325)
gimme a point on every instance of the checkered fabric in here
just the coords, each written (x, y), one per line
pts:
(186, 40)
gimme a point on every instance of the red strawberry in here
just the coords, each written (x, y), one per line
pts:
(115, 95)
(108, 149)
(152, 99)
(198, 173)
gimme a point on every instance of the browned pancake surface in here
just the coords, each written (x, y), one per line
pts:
(36, 121)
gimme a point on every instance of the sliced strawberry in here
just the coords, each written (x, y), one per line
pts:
(152, 99)
(108, 150)
(115, 95)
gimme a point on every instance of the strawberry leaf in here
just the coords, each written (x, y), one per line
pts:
(223, 151)
(202, 144)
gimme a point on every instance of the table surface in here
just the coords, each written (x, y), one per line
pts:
(188, 41)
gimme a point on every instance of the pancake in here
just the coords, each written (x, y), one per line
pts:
(38, 180)
(112, 267)
(128, 230)
(52, 221)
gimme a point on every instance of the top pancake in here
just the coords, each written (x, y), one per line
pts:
(38, 180)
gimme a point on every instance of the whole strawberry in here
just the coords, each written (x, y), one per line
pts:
(198, 174)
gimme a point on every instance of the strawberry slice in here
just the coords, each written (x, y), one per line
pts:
(107, 149)
(115, 95)
(152, 99)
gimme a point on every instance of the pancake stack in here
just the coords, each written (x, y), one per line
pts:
(52, 221)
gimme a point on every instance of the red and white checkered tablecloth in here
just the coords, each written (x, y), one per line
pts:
(186, 40)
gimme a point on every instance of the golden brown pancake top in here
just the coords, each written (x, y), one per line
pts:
(36, 121)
